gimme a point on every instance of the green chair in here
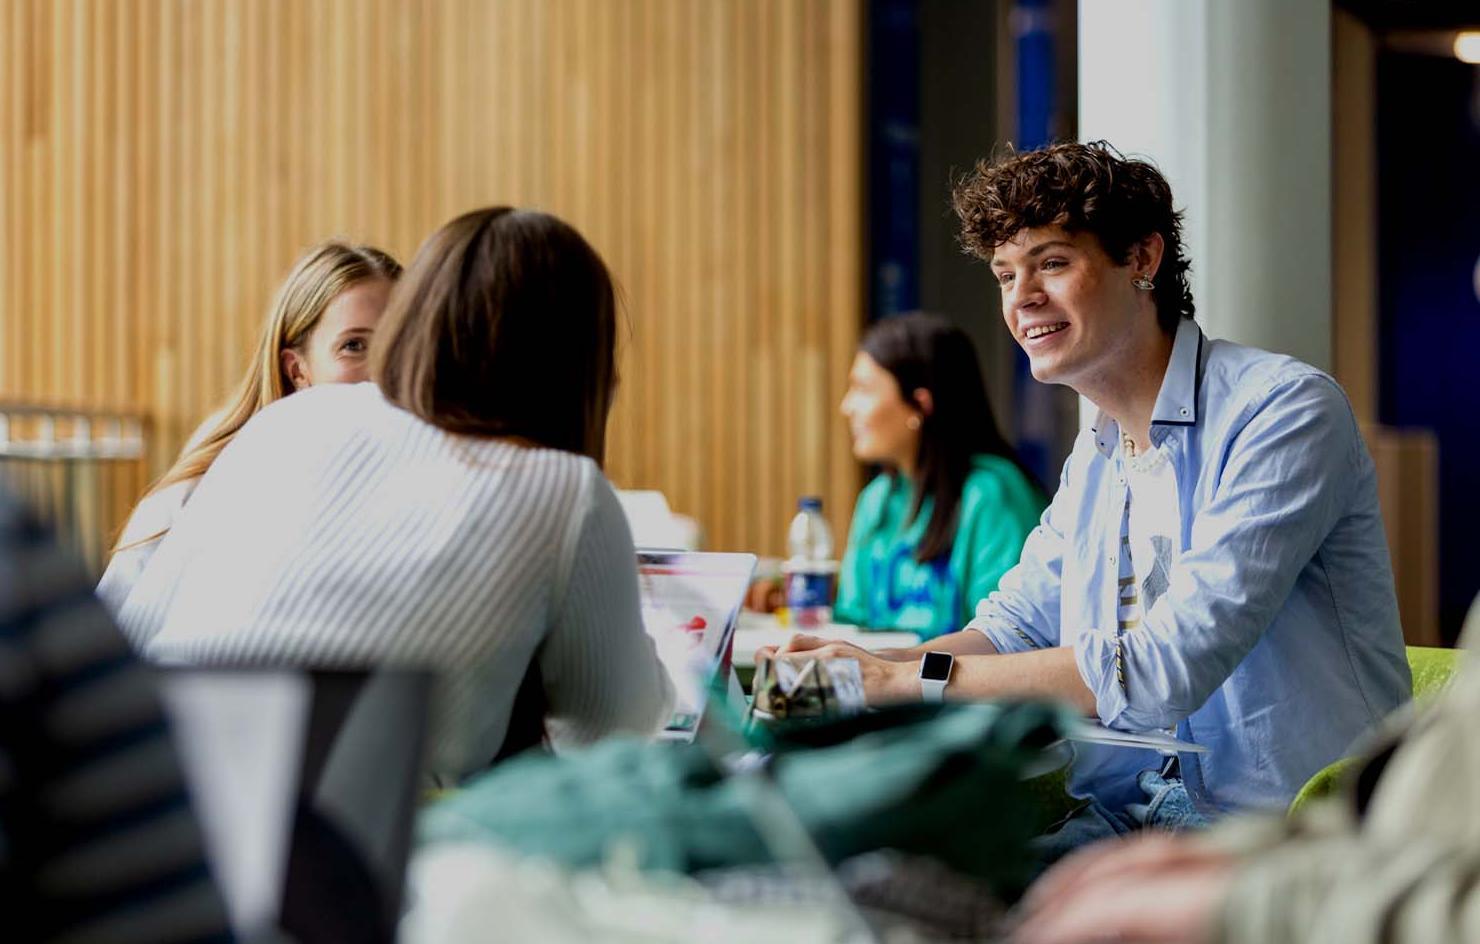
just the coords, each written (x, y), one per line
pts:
(1433, 669)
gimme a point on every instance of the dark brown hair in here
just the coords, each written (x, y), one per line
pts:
(927, 352)
(504, 325)
(1083, 188)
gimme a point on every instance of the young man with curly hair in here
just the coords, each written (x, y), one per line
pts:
(1213, 563)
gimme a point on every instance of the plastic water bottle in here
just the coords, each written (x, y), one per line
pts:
(810, 568)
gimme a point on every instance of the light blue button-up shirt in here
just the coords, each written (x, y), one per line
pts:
(1277, 642)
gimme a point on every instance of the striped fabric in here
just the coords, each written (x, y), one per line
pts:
(1149, 522)
(152, 518)
(97, 838)
(150, 521)
(338, 530)
(1127, 598)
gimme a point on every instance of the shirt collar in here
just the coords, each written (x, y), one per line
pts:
(1176, 403)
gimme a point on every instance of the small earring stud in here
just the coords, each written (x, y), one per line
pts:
(1143, 283)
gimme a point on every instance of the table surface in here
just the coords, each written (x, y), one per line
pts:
(761, 629)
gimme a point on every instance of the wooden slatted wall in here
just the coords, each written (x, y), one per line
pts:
(162, 162)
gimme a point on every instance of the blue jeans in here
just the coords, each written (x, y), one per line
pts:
(1167, 807)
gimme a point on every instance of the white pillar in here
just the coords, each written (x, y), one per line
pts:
(1232, 101)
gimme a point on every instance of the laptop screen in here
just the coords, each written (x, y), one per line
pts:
(690, 604)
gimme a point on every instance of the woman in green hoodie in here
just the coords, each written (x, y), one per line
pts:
(936, 530)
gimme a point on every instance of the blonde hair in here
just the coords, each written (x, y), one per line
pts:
(317, 278)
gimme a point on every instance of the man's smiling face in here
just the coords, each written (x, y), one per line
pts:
(1066, 302)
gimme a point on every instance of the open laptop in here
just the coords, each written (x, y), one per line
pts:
(305, 783)
(690, 605)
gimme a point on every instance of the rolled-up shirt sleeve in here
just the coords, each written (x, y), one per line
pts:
(1290, 468)
(1022, 614)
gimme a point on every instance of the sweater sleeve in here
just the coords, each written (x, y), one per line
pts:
(1350, 889)
(600, 668)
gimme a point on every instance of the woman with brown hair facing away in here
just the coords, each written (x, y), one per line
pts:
(318, 331)
(454, 515)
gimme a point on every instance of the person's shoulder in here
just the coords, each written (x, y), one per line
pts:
(204, 429)
(307, 430)
(1242, 383)
(572, 493)
(997, 481)
(872, 504)
(1239, 374)
(158, 511)
(329, 399)
(876, 492)
(323, 412)
(550, 478)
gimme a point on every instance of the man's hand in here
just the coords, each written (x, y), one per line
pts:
(884, 682)
(798, 642)
(1152, 888)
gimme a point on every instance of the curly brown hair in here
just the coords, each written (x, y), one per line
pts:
(1089, 188)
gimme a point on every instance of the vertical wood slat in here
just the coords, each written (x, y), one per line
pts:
(10, 209)
(164, 161)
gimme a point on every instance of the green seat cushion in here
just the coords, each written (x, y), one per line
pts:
(1433, 669)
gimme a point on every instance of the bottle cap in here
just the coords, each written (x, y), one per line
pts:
(810, 503)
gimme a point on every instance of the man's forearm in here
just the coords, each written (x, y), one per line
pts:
(1043, 673)
(967, 642)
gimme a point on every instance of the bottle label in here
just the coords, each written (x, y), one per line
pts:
(809, 591)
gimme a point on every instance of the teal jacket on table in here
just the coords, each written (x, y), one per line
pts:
(882, 586)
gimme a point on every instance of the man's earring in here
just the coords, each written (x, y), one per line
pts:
(1143, 283)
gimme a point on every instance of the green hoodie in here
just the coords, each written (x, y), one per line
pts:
(882, 586)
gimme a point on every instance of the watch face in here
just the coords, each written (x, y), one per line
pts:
(936, 666)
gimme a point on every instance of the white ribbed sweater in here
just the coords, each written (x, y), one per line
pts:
(337, 529)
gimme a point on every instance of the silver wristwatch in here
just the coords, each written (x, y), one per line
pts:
(935, 672)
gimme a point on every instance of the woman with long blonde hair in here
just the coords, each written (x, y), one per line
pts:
(318, 331)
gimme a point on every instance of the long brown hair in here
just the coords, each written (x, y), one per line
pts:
(927, 352)
(504, 325)
(317, 278)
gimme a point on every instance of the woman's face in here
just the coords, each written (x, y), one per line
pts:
(885, 428)
(337, 350)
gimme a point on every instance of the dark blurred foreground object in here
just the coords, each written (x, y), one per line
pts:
(98, 841)
(894, 779)
(905, 894)
(310, 778)
(330, 895)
